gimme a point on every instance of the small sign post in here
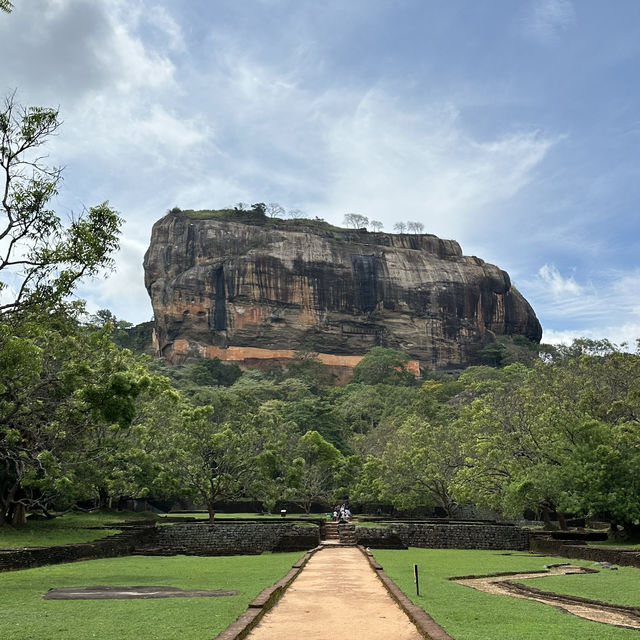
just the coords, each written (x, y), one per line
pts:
(415, 576)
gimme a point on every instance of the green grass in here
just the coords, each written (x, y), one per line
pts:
(616, 587)
(65, 529)
(468, 614)
(252, 516)
(203, 515)
(248, 215)
(25, 616)
(197, 516)
(223, 214)
(615, 543)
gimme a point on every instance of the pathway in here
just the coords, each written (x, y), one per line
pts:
(337, 593)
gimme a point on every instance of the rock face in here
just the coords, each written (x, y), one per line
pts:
(263, 289)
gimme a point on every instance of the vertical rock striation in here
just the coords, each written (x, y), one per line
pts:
(265, 288)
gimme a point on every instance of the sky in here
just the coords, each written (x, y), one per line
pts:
(511, 127)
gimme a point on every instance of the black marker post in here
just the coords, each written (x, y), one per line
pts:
(415, 577)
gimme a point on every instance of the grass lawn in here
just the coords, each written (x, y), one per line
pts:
(468, 614)
(617, 587)
(372, 525)
(65, 529)
(253, 516)
(614, 543)
(25, 616)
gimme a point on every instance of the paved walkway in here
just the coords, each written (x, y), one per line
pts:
(336, 594)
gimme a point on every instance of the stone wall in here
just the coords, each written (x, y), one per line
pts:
(222, 538)
(629, 558)
(121, 544)
(446, 536)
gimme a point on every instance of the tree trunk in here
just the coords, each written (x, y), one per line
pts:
(562, 521)
(8, 505)
(103, 498)
(211, 510)
(19, 515)
(547, 519)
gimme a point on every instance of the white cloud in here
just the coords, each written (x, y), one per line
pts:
(391, 162)
(150, 126)
(115, 89)
(168, 28)
(608, 308)
(548, 18)
(558, 285)
(624, 335)
(7, 292)
(124, 289)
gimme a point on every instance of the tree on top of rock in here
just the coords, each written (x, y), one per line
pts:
(355, 220)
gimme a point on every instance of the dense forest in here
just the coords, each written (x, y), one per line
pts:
(85, 420)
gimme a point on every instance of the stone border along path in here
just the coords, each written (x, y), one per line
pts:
(502, 584)
(338, 593)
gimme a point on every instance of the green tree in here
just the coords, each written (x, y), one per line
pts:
(514, 448)
(61, 384)
(212, 372)
(491, 354)
(205, 460)
(362, 406)
(386, 366)
(41, 260)
(421, 458)
(559, 436)
(314, 413)
(313, 474)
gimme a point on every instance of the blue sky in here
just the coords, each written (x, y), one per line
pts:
(512, 127)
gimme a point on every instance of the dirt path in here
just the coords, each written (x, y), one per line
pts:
(599, 612)
(337, 594)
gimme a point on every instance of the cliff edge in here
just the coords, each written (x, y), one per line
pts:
(254, 290)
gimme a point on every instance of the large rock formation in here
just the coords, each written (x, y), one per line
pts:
(262, 289)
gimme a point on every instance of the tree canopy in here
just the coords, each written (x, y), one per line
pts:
(42, 259)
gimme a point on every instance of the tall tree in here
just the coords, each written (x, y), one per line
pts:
(61, 386)
(315, 471)
(41, 260)
(205, 460)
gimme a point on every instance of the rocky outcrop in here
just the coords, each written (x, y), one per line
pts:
(263, 289)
